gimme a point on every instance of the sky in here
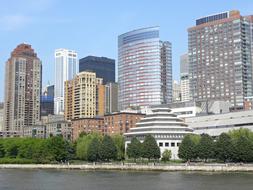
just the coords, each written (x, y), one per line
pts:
(91, 27)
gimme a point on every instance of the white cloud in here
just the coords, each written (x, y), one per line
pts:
(14, 22)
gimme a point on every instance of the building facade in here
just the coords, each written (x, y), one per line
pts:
(111, 98)
(164, 126)
(66, 67)
(46, 105)
(248, 103)
(176, 91)
(110, 124)
(184, 78)
(87, 125)
(1, 116)
(120, 122)
(220, 58)
(100, 97)
(81, 96)
(103, 67)
(47, 101)
(52, 125)
(22, 89)
(214, 125)
(144, 69)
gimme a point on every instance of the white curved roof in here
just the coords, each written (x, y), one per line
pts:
(160, 121)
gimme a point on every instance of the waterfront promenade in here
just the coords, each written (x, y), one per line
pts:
(138, 167)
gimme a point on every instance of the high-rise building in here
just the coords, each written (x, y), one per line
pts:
(176, 91)
(81, 96)
(220, 49)
(47, 101)
(111, 98)
(1, 115)
(22, 89)
(184, 78)
(100, 97)
(66, 67)
(49, 90)
(102, 66)
(144, 69)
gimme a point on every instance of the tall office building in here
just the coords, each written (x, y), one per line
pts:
(1, 115)
(102, 66)
(176, 91)
(81, 96)
(47, 101)
(22, 89)
(100, 97)
(66, 67)
(144, 69)
(111, 97)
(220, 58)
(184, 78)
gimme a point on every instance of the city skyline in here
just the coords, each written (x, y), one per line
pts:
(39, 24)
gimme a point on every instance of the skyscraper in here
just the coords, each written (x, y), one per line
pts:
(66, 67)
(102, 66)
(144, 69)
(22, 89)
(220, 58)
(111, 98)
(81, 96)
(184, 78)
(176, 91)
(47, 101)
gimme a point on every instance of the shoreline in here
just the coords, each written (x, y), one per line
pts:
(136, 167)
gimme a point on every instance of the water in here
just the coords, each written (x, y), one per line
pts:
(11, 179)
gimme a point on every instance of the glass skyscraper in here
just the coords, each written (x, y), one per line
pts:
(144, 69)
(103, 67)
(66, 67)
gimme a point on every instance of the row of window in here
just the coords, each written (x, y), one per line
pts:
(167, 144)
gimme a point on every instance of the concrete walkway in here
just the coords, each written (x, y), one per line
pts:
(150, 167)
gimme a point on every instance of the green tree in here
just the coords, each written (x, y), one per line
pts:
(243, 150)
(2, 152)
(237, 133)
(83, 143)
(57, 148)
(205, 148)
(166, 155)
(108, 149)
(224, 147)
(41, 153)
(93, 150)
(134, 149)
(243, 145)
(120, 145)
(11, 147)
(150, 149)
(188, 147)
(27, 148)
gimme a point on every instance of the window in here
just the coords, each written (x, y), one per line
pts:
(172, 144)
(160, 144)
(167, 144)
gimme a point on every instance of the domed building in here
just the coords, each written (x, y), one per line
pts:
(164, 126)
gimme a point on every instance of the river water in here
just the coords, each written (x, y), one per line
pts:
(11, 179)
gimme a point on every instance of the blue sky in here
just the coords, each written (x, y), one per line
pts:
(91, 27)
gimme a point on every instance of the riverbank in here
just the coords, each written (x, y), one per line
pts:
(137, 167)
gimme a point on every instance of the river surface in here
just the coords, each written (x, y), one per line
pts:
(12, 179)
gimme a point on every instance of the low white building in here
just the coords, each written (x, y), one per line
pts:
(164, 126)
(216, 124)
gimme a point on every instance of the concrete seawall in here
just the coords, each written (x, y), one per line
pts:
(181, 167)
